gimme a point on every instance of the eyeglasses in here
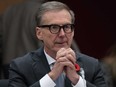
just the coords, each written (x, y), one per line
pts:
(54, 28)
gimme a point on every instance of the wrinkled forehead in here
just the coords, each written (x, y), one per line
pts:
(56, 15)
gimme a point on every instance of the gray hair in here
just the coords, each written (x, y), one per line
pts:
(50, 6)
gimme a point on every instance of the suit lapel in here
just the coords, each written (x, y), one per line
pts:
(40, 65)
(78, 56)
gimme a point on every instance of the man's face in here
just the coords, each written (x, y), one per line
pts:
(53, 42)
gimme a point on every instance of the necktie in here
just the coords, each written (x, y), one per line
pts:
(60, 80)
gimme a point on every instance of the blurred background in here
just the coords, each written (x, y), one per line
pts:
(95, 25)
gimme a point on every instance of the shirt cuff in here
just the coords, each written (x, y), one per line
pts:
(46, 81)
(80, 83)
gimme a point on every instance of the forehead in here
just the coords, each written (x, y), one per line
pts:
(56, 16)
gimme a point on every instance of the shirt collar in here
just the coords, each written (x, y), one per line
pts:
(49, 58)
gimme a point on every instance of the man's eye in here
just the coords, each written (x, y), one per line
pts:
(67, 26)
(55, 27)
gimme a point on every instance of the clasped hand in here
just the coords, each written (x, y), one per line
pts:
(65, 60)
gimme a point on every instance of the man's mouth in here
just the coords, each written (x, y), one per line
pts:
(61, 42)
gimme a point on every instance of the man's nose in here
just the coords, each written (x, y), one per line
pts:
(62, 32)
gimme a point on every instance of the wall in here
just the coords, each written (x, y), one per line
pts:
(95, 23)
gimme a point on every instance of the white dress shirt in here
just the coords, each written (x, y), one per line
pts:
(46, 81)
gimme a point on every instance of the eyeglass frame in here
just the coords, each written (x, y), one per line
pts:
(59, 27)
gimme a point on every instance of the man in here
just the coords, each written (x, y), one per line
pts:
(24, 39)
(55, 60)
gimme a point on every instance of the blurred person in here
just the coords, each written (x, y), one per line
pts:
(109, 62)
(18, 35)
(55, 64)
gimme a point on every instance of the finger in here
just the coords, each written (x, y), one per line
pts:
(61, 53)
(62, 59)
(71, 58)
(64, 62)
(61, 50)
(70, 65)
(56, 71)
(70, 51)
(71, 55)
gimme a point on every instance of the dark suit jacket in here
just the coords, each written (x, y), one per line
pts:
(26, 71)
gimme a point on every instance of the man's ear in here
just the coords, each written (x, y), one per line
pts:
(39, 33)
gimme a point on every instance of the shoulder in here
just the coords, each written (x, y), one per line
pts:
(85, 57)
(21, 63)
(23, 59)
(86, 60)
(28, 59)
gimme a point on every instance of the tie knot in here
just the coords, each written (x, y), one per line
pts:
(51, 65)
